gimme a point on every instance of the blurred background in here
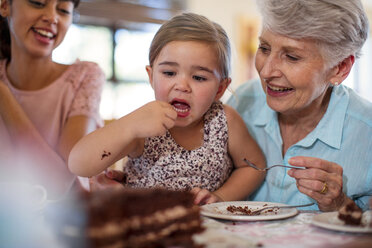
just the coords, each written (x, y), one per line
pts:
(117, 34)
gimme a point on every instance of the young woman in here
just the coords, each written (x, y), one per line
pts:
(45, 107)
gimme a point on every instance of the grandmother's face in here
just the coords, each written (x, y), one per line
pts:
(293, 73)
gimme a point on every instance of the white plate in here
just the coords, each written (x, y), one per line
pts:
(218, 210)
(330, 221)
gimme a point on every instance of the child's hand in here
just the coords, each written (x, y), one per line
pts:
(153, 119)
(109, 179)
(203, 196)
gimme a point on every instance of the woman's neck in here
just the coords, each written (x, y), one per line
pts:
(27, 73)
(294, 127)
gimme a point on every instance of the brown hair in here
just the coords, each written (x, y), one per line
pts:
(193, 27)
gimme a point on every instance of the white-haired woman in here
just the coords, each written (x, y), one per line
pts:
(299, 112)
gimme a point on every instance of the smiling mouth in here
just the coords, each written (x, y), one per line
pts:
(180, 107)
(44, 33)
(279, 89)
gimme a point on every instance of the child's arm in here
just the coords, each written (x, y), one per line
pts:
(243, 180)
(103, 147)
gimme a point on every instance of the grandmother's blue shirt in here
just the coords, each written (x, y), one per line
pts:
(343, 136)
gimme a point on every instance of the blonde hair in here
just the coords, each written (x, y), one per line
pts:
(193, 27)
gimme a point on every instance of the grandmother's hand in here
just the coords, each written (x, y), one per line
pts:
(322, 181)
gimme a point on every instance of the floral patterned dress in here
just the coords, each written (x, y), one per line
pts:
(166, 164)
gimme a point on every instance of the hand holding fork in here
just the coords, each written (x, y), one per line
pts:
(270, 167)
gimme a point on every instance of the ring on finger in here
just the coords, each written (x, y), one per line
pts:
(324, 189)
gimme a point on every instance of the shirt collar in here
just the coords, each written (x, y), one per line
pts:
(330, 127)
(329, 130)
(265, 116)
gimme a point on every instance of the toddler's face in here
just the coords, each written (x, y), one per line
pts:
(185, 74)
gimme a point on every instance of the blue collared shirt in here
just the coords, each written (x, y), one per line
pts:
(343, 136)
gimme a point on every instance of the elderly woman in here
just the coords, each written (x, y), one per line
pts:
(299, 112)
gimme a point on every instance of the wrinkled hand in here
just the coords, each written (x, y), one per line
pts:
(203, 196)
(108, 179)
(311, 181)
(153, 119)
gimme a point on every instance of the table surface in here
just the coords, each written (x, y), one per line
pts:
(295, 231)
(292, 232)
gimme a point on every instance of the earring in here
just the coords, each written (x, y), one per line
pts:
(336, 83)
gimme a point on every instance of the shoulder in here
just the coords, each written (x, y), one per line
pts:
(87, 67)
(87, 73)
(359, 109)
(233, 118)
(248, 98)
(230, 112)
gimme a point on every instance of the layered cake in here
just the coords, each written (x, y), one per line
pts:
(350, 214)
(130, 218)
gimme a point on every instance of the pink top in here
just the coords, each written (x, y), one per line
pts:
(76, 92)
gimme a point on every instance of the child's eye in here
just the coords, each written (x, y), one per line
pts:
(169, 73)
(37, 3)
(198, 78)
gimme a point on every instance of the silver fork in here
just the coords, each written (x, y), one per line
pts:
(268, 168)
(268, 207)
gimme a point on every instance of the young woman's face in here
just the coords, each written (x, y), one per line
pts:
(185, 74)
(37, 27)
(293, 73)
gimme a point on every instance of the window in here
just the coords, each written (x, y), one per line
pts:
(90, 43)
(122, 55)
(131, 54)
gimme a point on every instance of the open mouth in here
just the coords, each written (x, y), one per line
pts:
(180, 107)
(44, 33)
(279, 89)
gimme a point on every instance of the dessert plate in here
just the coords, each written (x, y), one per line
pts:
(330, 221)
(219, 211)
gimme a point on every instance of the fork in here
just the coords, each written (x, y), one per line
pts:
(270, 167)
(255, 212)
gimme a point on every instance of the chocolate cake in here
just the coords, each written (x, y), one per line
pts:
(350, 214)
(131, 218)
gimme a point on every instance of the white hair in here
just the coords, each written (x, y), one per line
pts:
(339, 27)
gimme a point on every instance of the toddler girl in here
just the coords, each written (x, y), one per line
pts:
(186, 139)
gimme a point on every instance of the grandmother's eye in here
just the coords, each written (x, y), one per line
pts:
(263, 49)
(292, 58)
